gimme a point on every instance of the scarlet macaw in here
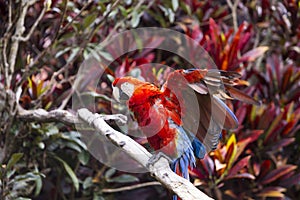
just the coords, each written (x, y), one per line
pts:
(168, 116)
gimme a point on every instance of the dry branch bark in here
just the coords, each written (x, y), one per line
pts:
(160, 169)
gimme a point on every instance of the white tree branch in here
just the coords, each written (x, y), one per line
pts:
(160, 170)
(233, 8)
(17, 37)
(63, 116)
(37, 21)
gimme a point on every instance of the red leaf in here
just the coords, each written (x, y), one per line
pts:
(256, 169)
(277, 173)
(282, 143)
(267, 117)
(253, 54)
(293, 180)
(288, 127)
(229, 153)
(197, 173)
(286, 78)
(231, 194)
(239, 165)
(272, 192)
(265, 167)
(208, 165)
(242, 175)
(296, 78)
(273, 127)
(241, 114)
(241, 145)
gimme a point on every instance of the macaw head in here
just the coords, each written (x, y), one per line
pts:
(123, 88)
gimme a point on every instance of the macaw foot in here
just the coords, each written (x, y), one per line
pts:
(154, 158)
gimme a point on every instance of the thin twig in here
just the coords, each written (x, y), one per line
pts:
(233, 8)
(96, 26)
(75, 17)
(56, 34)
(33, 27)
(9, 15)
(19, 31)
(132, 187)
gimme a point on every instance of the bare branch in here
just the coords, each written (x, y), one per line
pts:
(41, 115)
(9, 15)
(132, 187)
(160, 169)
(61, 31)
(63, 116)
(19, 31)
(233, 8)
(37, 21)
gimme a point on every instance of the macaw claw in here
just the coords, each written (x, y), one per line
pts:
(156, 157)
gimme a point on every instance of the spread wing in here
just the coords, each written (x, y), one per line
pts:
(198, 96)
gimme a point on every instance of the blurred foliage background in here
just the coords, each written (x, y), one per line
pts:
(258, 39)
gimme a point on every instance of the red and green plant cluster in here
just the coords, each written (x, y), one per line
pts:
(259, 39)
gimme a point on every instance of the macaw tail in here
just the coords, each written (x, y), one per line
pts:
(187, 160)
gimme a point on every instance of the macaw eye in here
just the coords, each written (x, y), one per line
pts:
(126, 84)
(127, 88)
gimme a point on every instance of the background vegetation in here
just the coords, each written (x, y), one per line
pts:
(258, 39)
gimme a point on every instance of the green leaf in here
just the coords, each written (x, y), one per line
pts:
(13, 160)
(38, 183)
(171, 15)
(113, 13)
(84, 157)
(87, 183)
(73, 146)
(74, 137)
(61, 52)
(51, 130)
(110, 78)
(109, 173)
(89, 20)
(73, 54)
(10, 173)
(95, 54)
(175, 4)
(135, 20)
(124, 178)
(106, 55)
(70, 172)
(123, 11)
(96, 95)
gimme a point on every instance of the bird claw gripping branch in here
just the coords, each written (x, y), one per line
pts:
(155, 158)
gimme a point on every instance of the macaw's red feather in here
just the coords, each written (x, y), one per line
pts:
(184, 119)
(197, 93)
